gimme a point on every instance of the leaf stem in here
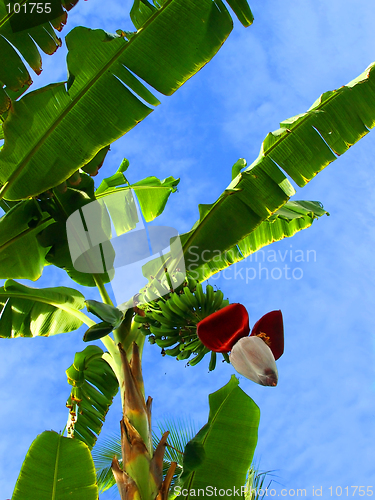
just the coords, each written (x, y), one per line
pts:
(102, 290)
(59, 204)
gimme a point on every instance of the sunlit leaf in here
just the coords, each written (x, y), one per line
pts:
(229, 439)
(29, 312)
(13, 72)
(56, 468)
(63, 127)
(21, 255)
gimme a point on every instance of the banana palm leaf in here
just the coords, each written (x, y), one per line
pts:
(47, 472)
(221, 453)
(31, 312)
(61, 127)
(33, 232)
(21, 255)
(294, 216)
(151, 192)
(142, 10)
(181, 431)
(94, 387)
(303, 146)
(14, 76)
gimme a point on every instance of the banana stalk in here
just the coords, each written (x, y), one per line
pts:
(141, 474)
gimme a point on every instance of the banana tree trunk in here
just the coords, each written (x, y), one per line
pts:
(141, 474)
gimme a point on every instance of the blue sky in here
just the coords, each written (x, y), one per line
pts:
(318, 425)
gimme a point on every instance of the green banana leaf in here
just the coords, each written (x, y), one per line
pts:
(151, 192)
(13, 73)
(111, 320)
(56, 468)
(221, 453)
(62, 127)
(31, 312)
(142, 10)
(33, 233)
(284, 223)
(94, 387)
(54, 237)
(303, 146)
(21, 255)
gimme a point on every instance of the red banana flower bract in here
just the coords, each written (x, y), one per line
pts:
(270, 327)
(221, 330)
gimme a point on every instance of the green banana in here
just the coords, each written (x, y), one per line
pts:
(150, 295)
(177, 301)
(209, 299)
(191, 297)
(144, 331)
(141, 319)
(171, 303)
(197, 358)
(167, 342)
(162, 319)
(162, 291)
(185, 301)
(167, 311)
(168, 280)
(225, 356)
(218, 299)
(212, 363)
(201, 297)
(165, 335)
(183, 355)
(178, 277)
(190, 346)
(192, 283)
(182, 304)
(141, 298)
(224, 303)
(165, 330)
(173, 352)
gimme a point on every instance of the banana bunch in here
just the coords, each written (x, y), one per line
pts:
(171, 316)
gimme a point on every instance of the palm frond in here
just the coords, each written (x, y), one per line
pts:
(181, 429)
(102, 455)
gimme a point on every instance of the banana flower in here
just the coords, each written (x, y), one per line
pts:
(252, 356)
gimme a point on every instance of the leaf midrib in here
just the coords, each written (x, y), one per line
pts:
(74, 312)
(39, 227)
(308, 114)
(56, 470)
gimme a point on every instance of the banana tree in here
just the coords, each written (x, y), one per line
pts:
(53, 145)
